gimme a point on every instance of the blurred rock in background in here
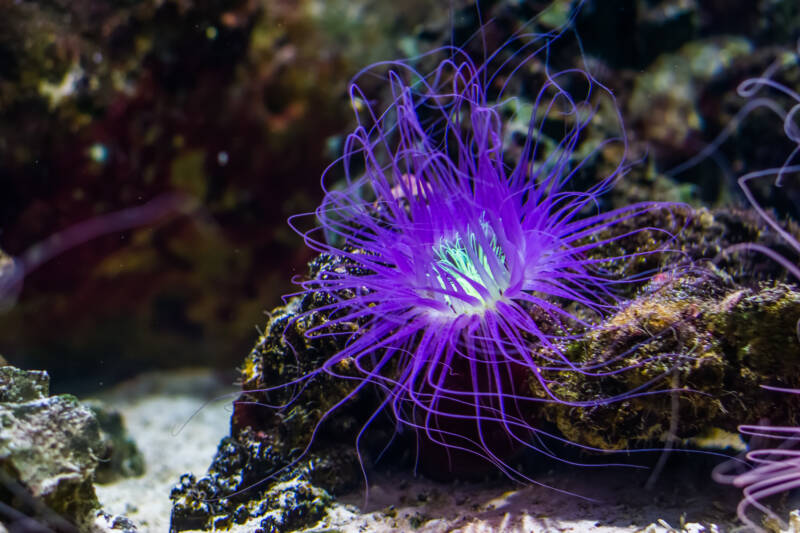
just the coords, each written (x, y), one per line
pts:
(107, 105)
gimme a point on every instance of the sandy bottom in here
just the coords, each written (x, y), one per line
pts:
(157, 411)
(609, 500)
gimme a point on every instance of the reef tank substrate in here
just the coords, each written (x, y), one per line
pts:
(549, 281)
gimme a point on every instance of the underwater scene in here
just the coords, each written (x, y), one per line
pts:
(424, 266)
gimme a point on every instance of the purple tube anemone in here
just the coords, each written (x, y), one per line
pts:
(463, 265)
(773, 470)
(790, 167)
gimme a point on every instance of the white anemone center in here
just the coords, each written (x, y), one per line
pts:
(467, 266)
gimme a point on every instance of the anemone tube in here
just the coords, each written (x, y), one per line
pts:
(466, 273)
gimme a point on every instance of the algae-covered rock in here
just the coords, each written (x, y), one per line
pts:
(286, 505)
(120, 457)
(17, 385)
(49, 449)
(712, 331)
(706, 345)
(249, 481)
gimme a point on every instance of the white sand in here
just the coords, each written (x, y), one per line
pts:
(153, 415)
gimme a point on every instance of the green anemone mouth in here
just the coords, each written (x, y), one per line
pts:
(463, 262)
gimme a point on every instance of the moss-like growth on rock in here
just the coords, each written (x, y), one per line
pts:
(708, 344)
